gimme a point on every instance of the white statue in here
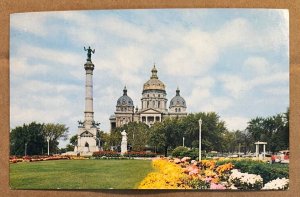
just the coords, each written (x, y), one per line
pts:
(124, 142)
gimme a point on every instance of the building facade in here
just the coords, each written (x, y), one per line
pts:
(153, 105)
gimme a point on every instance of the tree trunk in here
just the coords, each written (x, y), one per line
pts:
(166, 151)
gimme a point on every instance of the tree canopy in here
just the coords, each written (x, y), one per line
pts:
(33, 137)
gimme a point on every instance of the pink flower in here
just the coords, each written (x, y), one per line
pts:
(194, 171)
(208, 179)
(176, 160)
(216, 186)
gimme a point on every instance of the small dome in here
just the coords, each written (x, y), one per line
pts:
(177, 101)
(112, 117)
(125, 100)
(154, 83)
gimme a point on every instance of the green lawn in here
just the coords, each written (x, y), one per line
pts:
(79, 174)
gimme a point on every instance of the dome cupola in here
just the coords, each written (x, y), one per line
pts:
(125, 100)
(154, 83)
(177, 101)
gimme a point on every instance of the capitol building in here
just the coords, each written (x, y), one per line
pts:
(154, 107)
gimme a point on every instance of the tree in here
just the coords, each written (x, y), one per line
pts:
(165, 134)
(55, 132)
(29, 137)
(274, 130)
(212, 130)
(137, 135)
(74, 140)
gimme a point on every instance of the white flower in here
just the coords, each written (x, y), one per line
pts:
(277, 184)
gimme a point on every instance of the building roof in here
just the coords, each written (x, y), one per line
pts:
(125, 100)
(154, 83)
(177, 101)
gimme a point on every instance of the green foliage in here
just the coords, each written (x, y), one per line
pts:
(274, 130)
(198, 184)
(32, 135)
(267, 171)
(179, 151)
(74, 140)
(35, 136)
(169, 133)
(137, 135)
(139, 154)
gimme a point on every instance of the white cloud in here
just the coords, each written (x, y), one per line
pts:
(258, 65)
(62, 57)
(32, 23)
(238, 87)
(232, 33)
(236, 122)
(21, 68)
(277, 91)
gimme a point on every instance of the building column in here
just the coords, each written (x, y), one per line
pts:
(256, 150)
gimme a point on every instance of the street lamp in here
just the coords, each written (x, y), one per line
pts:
(183, 141)
(48, 139)
(26, 149)
(200, 123)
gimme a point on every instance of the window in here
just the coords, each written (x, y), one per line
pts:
(179, 110)
(158, 103)
(147, 104)
(175, 109)
(153, 103)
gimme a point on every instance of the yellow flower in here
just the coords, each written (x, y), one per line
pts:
(168, 176)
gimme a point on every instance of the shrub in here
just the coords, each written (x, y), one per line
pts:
(139, 154)
(179, 151)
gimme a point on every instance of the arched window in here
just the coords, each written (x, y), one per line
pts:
(147, 104)
(153, 103)
(175, 109)
(179, 110)
(158, 104)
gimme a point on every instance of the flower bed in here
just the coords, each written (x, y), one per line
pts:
(209, 174)
(168, 176)
(268, 172)
(106, 154)
(34, 158)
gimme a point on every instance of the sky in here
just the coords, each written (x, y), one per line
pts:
(231, 61)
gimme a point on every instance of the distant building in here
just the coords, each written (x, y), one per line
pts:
(153, 105)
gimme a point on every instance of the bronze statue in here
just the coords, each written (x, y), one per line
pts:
(89, 53)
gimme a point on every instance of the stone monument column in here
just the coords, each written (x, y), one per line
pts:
(89, 112)
(87, 130)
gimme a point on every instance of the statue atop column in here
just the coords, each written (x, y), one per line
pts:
(89, 53)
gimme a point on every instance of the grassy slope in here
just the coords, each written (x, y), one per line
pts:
(79, 174)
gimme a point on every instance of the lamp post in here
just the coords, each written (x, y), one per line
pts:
(200, 123)
(183, 141)
(48, 139)
(26, 149)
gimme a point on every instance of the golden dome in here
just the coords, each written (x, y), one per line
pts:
(154, 83)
